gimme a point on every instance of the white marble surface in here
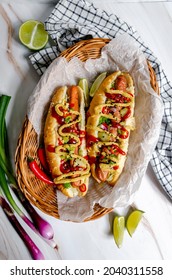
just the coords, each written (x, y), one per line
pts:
(91, 240)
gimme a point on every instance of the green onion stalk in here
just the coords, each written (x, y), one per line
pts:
(40, 226)
(32, 248)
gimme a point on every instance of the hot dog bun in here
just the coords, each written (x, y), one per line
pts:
(65, 144)
(110, 120)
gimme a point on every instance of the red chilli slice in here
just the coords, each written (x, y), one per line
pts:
(82, 188)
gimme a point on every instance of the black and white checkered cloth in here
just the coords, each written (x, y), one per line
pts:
(75, 20)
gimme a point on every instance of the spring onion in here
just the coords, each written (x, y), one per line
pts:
(40, 226)
(6, 191)
(33, 249)
(41, 223)
(44, 228)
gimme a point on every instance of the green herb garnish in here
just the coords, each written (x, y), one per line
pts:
(68, 119)
(67, 185)
(103, 119)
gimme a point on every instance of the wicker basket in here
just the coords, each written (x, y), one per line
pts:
(37, 192)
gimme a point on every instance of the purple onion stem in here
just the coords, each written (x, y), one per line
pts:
(33, 249)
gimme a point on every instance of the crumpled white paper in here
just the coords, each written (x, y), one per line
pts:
(123, 54)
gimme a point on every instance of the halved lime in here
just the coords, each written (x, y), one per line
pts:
(97, 83)
(33, 35)
(118, 230)
(83, 83)
(133, 221)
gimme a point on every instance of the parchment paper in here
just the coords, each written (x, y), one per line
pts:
(121, 53)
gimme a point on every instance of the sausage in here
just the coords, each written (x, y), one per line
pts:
(74, 104)
(102, 174)
(74, 98)
(121, 83)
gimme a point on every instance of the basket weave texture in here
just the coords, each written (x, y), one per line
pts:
(37, 192)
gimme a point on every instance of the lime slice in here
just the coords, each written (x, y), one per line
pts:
(133, 221)
(97, 83)
(118, 230)
(83, 83)
(33, 35)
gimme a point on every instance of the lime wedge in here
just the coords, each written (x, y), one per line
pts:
(83, 83)
(97, 83)
(33, 35)
(118, 230)
(133, 221)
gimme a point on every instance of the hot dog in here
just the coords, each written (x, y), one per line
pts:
(65, 143)
(110, 120)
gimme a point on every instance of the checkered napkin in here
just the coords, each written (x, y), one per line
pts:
(75, 20)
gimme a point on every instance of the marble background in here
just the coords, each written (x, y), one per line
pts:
(92, 240)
